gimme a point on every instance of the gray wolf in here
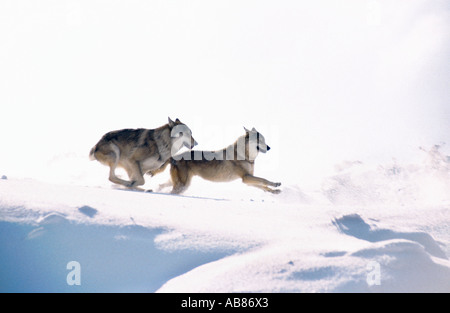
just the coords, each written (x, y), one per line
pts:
(141, 151)
(237, 161)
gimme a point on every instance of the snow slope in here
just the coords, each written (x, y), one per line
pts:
(364, 229)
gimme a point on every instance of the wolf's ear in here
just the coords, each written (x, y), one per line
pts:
(254, 129)
(246, 130)
(177, 121)
(171, 123)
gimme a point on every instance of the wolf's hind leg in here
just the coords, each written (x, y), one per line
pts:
(112, 160)
(134, 172)
(116, 180)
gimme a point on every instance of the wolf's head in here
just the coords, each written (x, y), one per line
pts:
(256, 143)
(181, 136)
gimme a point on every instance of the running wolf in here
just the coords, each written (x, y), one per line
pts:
(237, 161)
(141, 151)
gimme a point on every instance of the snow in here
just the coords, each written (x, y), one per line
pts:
(352, 96)
(232, 238)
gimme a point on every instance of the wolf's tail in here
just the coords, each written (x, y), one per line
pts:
(92, 153)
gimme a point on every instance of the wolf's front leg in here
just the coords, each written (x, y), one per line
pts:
(261, 183)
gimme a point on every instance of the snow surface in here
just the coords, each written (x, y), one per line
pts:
(232, 238)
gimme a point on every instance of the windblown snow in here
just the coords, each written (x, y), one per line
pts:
(364, 229)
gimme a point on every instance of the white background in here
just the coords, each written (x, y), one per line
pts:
(324, 81)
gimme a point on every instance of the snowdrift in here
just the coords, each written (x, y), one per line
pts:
(365, 229)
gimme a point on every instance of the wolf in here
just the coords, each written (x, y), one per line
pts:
(237, 161)
(141, 151)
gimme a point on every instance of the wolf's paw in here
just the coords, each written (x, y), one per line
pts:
(273, 191)
(277, 184)
(131, 184)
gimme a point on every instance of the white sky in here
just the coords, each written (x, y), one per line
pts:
(325, 81)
